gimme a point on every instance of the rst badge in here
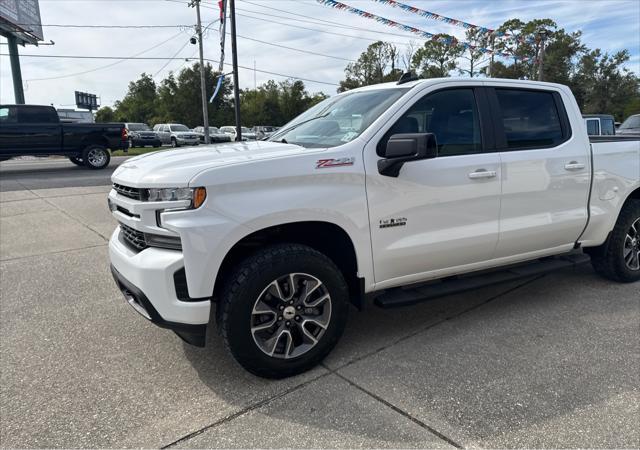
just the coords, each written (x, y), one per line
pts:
(334, 162)
(395, 222)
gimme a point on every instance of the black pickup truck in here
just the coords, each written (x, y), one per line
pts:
(37, 130)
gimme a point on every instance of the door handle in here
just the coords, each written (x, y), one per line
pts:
(482, 173)
(574, 165)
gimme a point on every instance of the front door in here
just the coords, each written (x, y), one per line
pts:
(441, 213)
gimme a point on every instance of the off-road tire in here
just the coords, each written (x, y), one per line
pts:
(89, 160)
(244, 285)
(608, 259)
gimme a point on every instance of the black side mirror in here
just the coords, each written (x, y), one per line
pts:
(403, 148)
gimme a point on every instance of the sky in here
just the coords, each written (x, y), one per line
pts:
(611, 25)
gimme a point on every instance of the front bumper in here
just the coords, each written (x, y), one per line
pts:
(182, 141)
(146, 279)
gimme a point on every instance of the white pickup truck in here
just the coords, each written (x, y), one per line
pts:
(375, 193)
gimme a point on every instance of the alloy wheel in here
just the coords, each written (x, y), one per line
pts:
(97, 157)
(291, 315)
(631, 250)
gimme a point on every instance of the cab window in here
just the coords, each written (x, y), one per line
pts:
(451, 115)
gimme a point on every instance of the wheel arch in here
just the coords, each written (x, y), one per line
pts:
(326, 237)
(95, 140)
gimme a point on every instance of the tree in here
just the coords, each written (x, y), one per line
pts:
(377, 64)
(475, 56)
(139, 104)
(105, 114)
(437, 57)
(276, 103)
(605, 85)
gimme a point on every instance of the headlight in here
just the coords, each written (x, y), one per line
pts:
(196, 196)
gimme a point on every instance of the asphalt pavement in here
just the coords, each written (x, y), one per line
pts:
(552, 361)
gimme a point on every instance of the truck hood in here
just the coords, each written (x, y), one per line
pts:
(175, 168)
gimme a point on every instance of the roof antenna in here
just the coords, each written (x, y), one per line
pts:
(407, 76)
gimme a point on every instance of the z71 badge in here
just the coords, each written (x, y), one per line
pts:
(396, 222)
(333, 162)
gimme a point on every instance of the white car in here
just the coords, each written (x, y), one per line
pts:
(247, 134)
(176, 134)
(368, 196)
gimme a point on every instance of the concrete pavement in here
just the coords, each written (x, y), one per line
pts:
(546, 362)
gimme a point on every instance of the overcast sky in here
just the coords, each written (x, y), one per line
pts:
(611, 25)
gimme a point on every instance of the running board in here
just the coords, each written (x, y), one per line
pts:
(410, 295)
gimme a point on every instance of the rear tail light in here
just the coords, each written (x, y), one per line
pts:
(125, 134)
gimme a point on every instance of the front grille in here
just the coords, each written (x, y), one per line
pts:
(127, 191)
(133, 237)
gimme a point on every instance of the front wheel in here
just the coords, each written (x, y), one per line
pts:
(96, 157)
(283, 310)
(174, 143)
(619, 257)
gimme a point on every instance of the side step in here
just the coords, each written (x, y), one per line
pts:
(410, 295)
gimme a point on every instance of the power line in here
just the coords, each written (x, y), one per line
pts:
(160, 58)
(295, 49)
(106, 66)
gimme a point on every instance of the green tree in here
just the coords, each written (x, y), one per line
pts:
(139, 104)
(377, 64)
(605, 85)
(437, 57)
(105, 114)
(474, 55)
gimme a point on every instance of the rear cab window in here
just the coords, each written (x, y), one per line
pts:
(8, 114)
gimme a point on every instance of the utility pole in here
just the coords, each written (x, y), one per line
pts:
(493, 52)
(234, 57)
(16, 73)
(542, 34)
(203, 85)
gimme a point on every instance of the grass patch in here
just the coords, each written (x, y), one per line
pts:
(136, 151)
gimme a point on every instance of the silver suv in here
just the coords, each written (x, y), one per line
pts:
(176, 134)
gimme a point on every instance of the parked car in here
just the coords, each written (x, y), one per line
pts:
(630, 126)
(247, 134)
(462, 181)
(36, 130)
(140, 135)
(600, 124)
(264, 131)
(176, 134)
(215, 135)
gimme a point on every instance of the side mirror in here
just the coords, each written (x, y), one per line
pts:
(403, 148)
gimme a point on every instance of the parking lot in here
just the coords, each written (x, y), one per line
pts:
(551, 361)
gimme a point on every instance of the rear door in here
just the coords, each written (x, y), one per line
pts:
(440, 213)
(40, 129)
(545, 170)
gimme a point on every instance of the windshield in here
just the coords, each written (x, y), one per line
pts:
(631, 122)
(139, 127)
(179, 128)
(246, 130)
(338, 120)
(213, 130)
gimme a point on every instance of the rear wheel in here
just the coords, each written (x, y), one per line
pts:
(77, 161)
(96, 157)
(282, 310)
(619, 257)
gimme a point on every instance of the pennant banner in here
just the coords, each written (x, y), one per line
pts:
(450, 21)
(425, 34)
(222, 4)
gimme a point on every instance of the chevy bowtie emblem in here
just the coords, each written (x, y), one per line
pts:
(333, 162)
